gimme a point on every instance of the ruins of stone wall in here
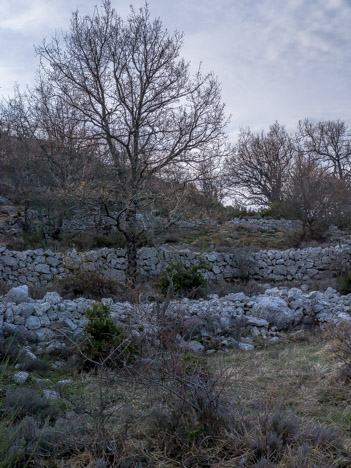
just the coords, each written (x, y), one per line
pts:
(213, 322)
(267, 224)
(42, 267)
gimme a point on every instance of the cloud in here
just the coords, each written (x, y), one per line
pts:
(276, 60)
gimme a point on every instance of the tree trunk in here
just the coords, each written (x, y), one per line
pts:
(131, 229)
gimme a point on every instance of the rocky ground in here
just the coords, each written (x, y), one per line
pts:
(257, 379)
(234, 320)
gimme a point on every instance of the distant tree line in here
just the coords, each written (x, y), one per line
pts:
(306, 175)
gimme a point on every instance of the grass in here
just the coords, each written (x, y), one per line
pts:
(226, 238)
(299, 376)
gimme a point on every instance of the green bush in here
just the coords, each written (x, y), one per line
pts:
(113, 240)
(344, 282)
(104, 341)
(279, 210)
(33, 240)
(186, 279)
(192, 363)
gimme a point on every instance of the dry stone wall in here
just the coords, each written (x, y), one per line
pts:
(214, 323)
(267, 224)
(42, 267)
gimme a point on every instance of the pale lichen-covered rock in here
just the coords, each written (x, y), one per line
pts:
(20, 377)
(273, 309)
(18, 294)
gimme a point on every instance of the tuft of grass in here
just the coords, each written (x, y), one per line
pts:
(344, 282)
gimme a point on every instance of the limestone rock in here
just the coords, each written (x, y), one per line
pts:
(20, 377)
(18, 294)
(273, 309)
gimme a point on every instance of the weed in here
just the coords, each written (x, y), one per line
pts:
(35, 365)
(186, 280)
(341, 346)
(28, 402)
(344, 282)
(104, 341)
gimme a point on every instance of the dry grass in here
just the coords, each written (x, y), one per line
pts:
(299, 376)
(275, 399)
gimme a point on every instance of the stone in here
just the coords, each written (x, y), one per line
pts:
(9, 261)
(25, 309)
(42, 308)
(257, 322)
(33, 322)
(44, 320)
(273, 309)
(18, 294)
(42, 268)
(68, 322)
(59, 364)
(51, 395)
(20, 331)
(20, 377)
(52, 298)
(279, 270)
(194, 347)
(52, 261)
(255, 332)
(246, 346)
(344, 316)
(55, 348)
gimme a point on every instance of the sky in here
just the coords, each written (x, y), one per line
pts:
(282, 60)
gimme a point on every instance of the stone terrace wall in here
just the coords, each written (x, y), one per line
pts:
(267, 224)
(42, 267)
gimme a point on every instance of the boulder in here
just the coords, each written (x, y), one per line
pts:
(52, 298)
(273, 309)
(25, 310)
(18, 294)
(257, 322)
(33, 322)
(194, 347)
(246, 346)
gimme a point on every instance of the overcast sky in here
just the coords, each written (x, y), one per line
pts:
(276, 59)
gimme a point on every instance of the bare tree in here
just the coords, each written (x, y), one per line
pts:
(134, 93)
(259, 166)
(212, 184)
(329, 142)
(318, 197)
(44, 160)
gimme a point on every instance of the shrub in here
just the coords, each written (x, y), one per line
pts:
(104, 341)
(276, 435)
(10, 350)
(341, 346)
(186, 280)
(89, 284)
(191, 363)
(279, 210)
(194, 413)
(113, 240)
(35, 365)
(4, 287)
(33, 240)
(28, 402)
(344, 282)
